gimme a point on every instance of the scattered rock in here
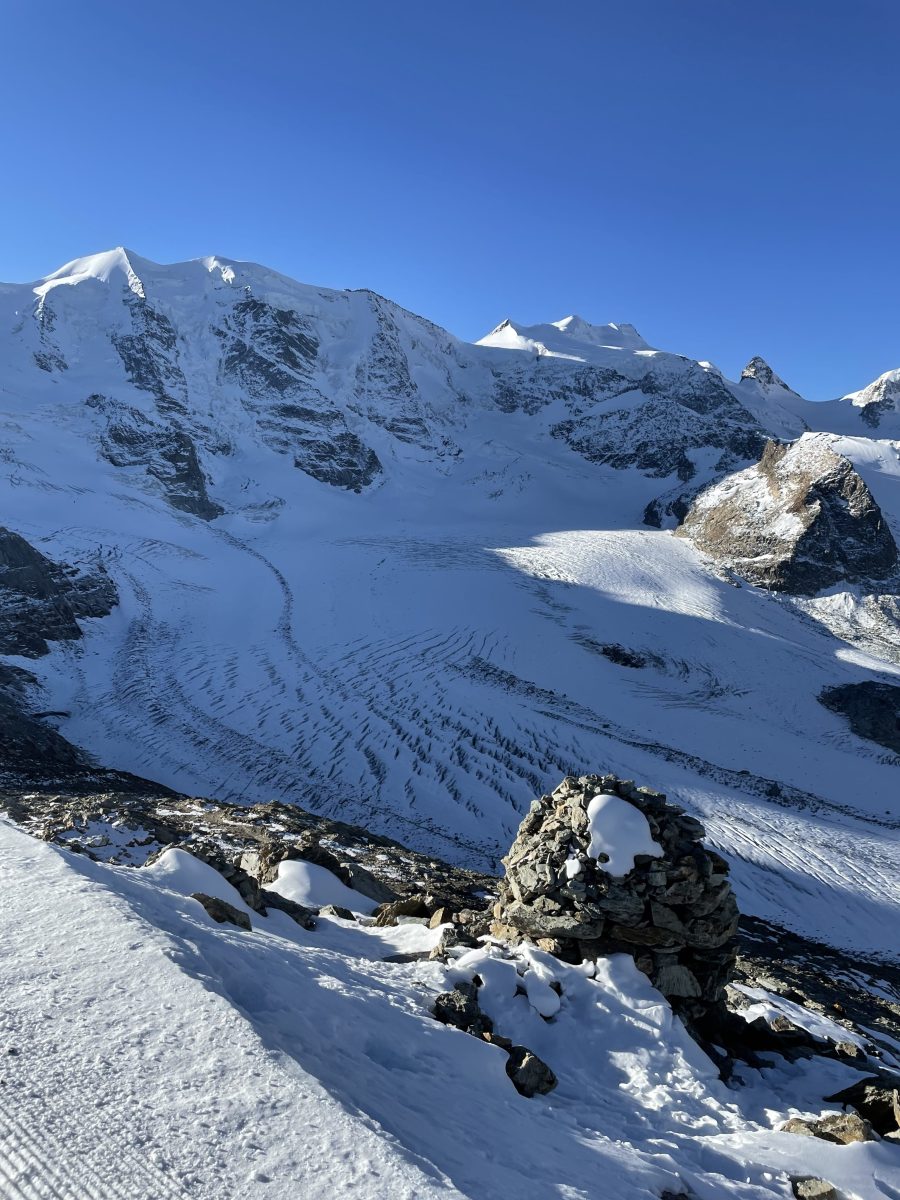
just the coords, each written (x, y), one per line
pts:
(841, 1128)
(453, 936)
(411, 906)
(440, 916)
(459, 1008)
(337, 910)
(221, 911)
(808, 1187)
(305, 917)
(530, 1075)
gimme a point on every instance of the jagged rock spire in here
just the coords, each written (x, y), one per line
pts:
(757, 368)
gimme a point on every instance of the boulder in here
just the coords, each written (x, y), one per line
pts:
(410, 906)
(670, 905)
(221, 911)
(337, 910)
(530, 1075)
(809, 1187)
(841, 1128)
(459, 1008)
(877, 1099)
(801, 520)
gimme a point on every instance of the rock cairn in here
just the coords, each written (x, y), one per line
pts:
(675, 913)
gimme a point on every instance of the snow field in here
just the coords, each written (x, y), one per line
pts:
(148, 1051)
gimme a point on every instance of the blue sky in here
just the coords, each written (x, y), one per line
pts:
(725, 175)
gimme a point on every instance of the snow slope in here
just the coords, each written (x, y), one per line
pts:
(366, 567)
(161, 1055)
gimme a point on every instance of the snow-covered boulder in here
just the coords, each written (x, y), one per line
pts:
(601, 867)
(798, 521)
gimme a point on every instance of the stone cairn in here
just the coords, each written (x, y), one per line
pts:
(675, 914)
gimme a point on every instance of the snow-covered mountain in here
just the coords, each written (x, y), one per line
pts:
(267, 541)
(366, 566)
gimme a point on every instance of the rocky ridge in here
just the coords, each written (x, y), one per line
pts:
(345, 385)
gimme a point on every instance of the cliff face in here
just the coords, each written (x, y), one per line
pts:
(801, 520)
(41, 600)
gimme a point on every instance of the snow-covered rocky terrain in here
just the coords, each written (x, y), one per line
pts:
(320, 551)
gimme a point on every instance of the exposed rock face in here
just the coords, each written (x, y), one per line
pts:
(800, 520)
(40, 600)
(271, 353)
(167, 454)
(676, 413)
(674, 913)
(876, 1099)
(872, 708)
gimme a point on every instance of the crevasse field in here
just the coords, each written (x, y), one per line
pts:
(421, 657)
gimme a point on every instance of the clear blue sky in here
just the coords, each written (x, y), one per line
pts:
(723, 174)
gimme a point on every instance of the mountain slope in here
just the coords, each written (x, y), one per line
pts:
(153, 1053)
(364, 566)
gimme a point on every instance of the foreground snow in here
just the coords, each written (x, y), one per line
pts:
(150, 1053)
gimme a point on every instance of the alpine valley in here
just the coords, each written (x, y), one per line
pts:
(282, 566)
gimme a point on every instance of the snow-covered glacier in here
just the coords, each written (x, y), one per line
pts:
(410, 582)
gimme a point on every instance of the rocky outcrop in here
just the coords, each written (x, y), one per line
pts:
(876, 1099)
(270, 354)
(574, 886)
(841, 1128)
(167, 453)
(880, 399)
(41, 601)
(871, 708)
(801, 520)
(221, 911)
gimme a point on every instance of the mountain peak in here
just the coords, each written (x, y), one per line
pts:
(104, 267)
(759, 370)
(572, 337)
